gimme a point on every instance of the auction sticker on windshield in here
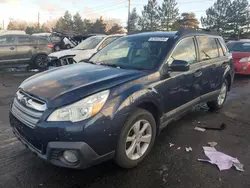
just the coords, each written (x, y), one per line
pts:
(159, 39)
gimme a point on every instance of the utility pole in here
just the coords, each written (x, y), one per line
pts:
(38, 19)
(3, 24)
(128, 15)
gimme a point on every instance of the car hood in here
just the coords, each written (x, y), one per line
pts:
(67, 84)
(86, 54)
(63, 53)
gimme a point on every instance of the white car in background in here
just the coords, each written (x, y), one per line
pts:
(83, 51)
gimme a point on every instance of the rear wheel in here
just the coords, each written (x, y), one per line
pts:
(40, 62)
(57, 48)
(136, 139)
(219, 102)
(68, 46)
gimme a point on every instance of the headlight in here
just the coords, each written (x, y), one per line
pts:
(82, 109)
(245, 60)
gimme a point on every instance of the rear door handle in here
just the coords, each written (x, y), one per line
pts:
(12, 48)
(198, 73)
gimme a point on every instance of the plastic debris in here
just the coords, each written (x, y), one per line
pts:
(199, 129)
(189, 149)
(179, 148)
(223, 161)
(220, 128)
(212, 144)
(171, 145)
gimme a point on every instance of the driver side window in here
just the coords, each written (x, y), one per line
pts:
(185, 50)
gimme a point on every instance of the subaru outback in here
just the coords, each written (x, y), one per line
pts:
(114, 105)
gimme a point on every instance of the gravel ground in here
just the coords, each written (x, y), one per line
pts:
(165, 166)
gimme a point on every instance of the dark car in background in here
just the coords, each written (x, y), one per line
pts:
(24, 49)
(241, 55)
(114, 106)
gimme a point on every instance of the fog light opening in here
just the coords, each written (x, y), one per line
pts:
(70, 156)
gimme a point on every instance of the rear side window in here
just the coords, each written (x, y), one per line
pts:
(43, 41)
(208, 48)
(223, 45)
(25, 41)
(221, 52)
(185, 50)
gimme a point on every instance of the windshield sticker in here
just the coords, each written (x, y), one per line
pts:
(158, 39)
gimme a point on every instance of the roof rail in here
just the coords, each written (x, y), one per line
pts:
(185, 31)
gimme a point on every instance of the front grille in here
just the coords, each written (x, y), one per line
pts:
(27, 109)
(67, 61)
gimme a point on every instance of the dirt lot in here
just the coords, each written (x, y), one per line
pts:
(165, 167)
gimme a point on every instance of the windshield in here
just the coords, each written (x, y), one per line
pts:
(132, 53)
(239, 46)
(89, 43)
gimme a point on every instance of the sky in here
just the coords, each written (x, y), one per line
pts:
(53, 9)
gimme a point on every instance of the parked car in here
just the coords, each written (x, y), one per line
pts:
(241, 55)
(114, 106)
(23, 49)
(11, 32)
(81, 52)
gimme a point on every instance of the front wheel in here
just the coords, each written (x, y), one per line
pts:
(136, 139)
(219, 102)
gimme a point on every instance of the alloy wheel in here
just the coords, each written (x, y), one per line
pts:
(138, 139)
(223, 94)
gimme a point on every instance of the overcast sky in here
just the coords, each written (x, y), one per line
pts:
(52, 9)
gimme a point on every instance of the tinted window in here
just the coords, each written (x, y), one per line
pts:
(185, 50)
(208, 48)
(131, 53)
(25, 40)
(107, 41)
(43, 41)
(239, 47)
(7, 40)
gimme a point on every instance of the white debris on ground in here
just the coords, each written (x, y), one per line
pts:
(179, 148)
(171, 145)
(199, 129)
(223, 161)
(189, 149)
(212, 144)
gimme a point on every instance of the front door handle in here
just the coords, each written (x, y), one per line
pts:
(198, 73)
(12, 48)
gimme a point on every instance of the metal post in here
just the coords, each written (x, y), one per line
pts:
(128, 15)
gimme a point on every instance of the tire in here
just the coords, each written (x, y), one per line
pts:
(217, 104)
(40, 61)
(138, 119)
(68, 46)
(57, 48)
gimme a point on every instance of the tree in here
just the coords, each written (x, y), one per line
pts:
(149, 21)
(88, 26)
(217, 16)
(17, 25)
(99, 26)
(133, 21)
(188, 20)
(238, 16)
(168, 13)
(78, 24)
(65, 22)
(115, 29)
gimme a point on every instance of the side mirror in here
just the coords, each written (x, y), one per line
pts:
(179, 66)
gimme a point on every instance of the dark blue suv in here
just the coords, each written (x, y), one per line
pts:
(114, 105)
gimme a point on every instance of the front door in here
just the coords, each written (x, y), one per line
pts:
(181, 90)
(7, 49)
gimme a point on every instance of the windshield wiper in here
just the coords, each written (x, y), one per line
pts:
(109, 65)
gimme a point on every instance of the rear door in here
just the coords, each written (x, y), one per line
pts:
(213, 62)
(8, 49)
(26, 47)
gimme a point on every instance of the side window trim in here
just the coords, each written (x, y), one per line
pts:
(219, 46)
(178, 42)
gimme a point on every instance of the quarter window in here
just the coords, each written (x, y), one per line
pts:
(208, 48)
(7, 40)
(220, 49)
(185, 51)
